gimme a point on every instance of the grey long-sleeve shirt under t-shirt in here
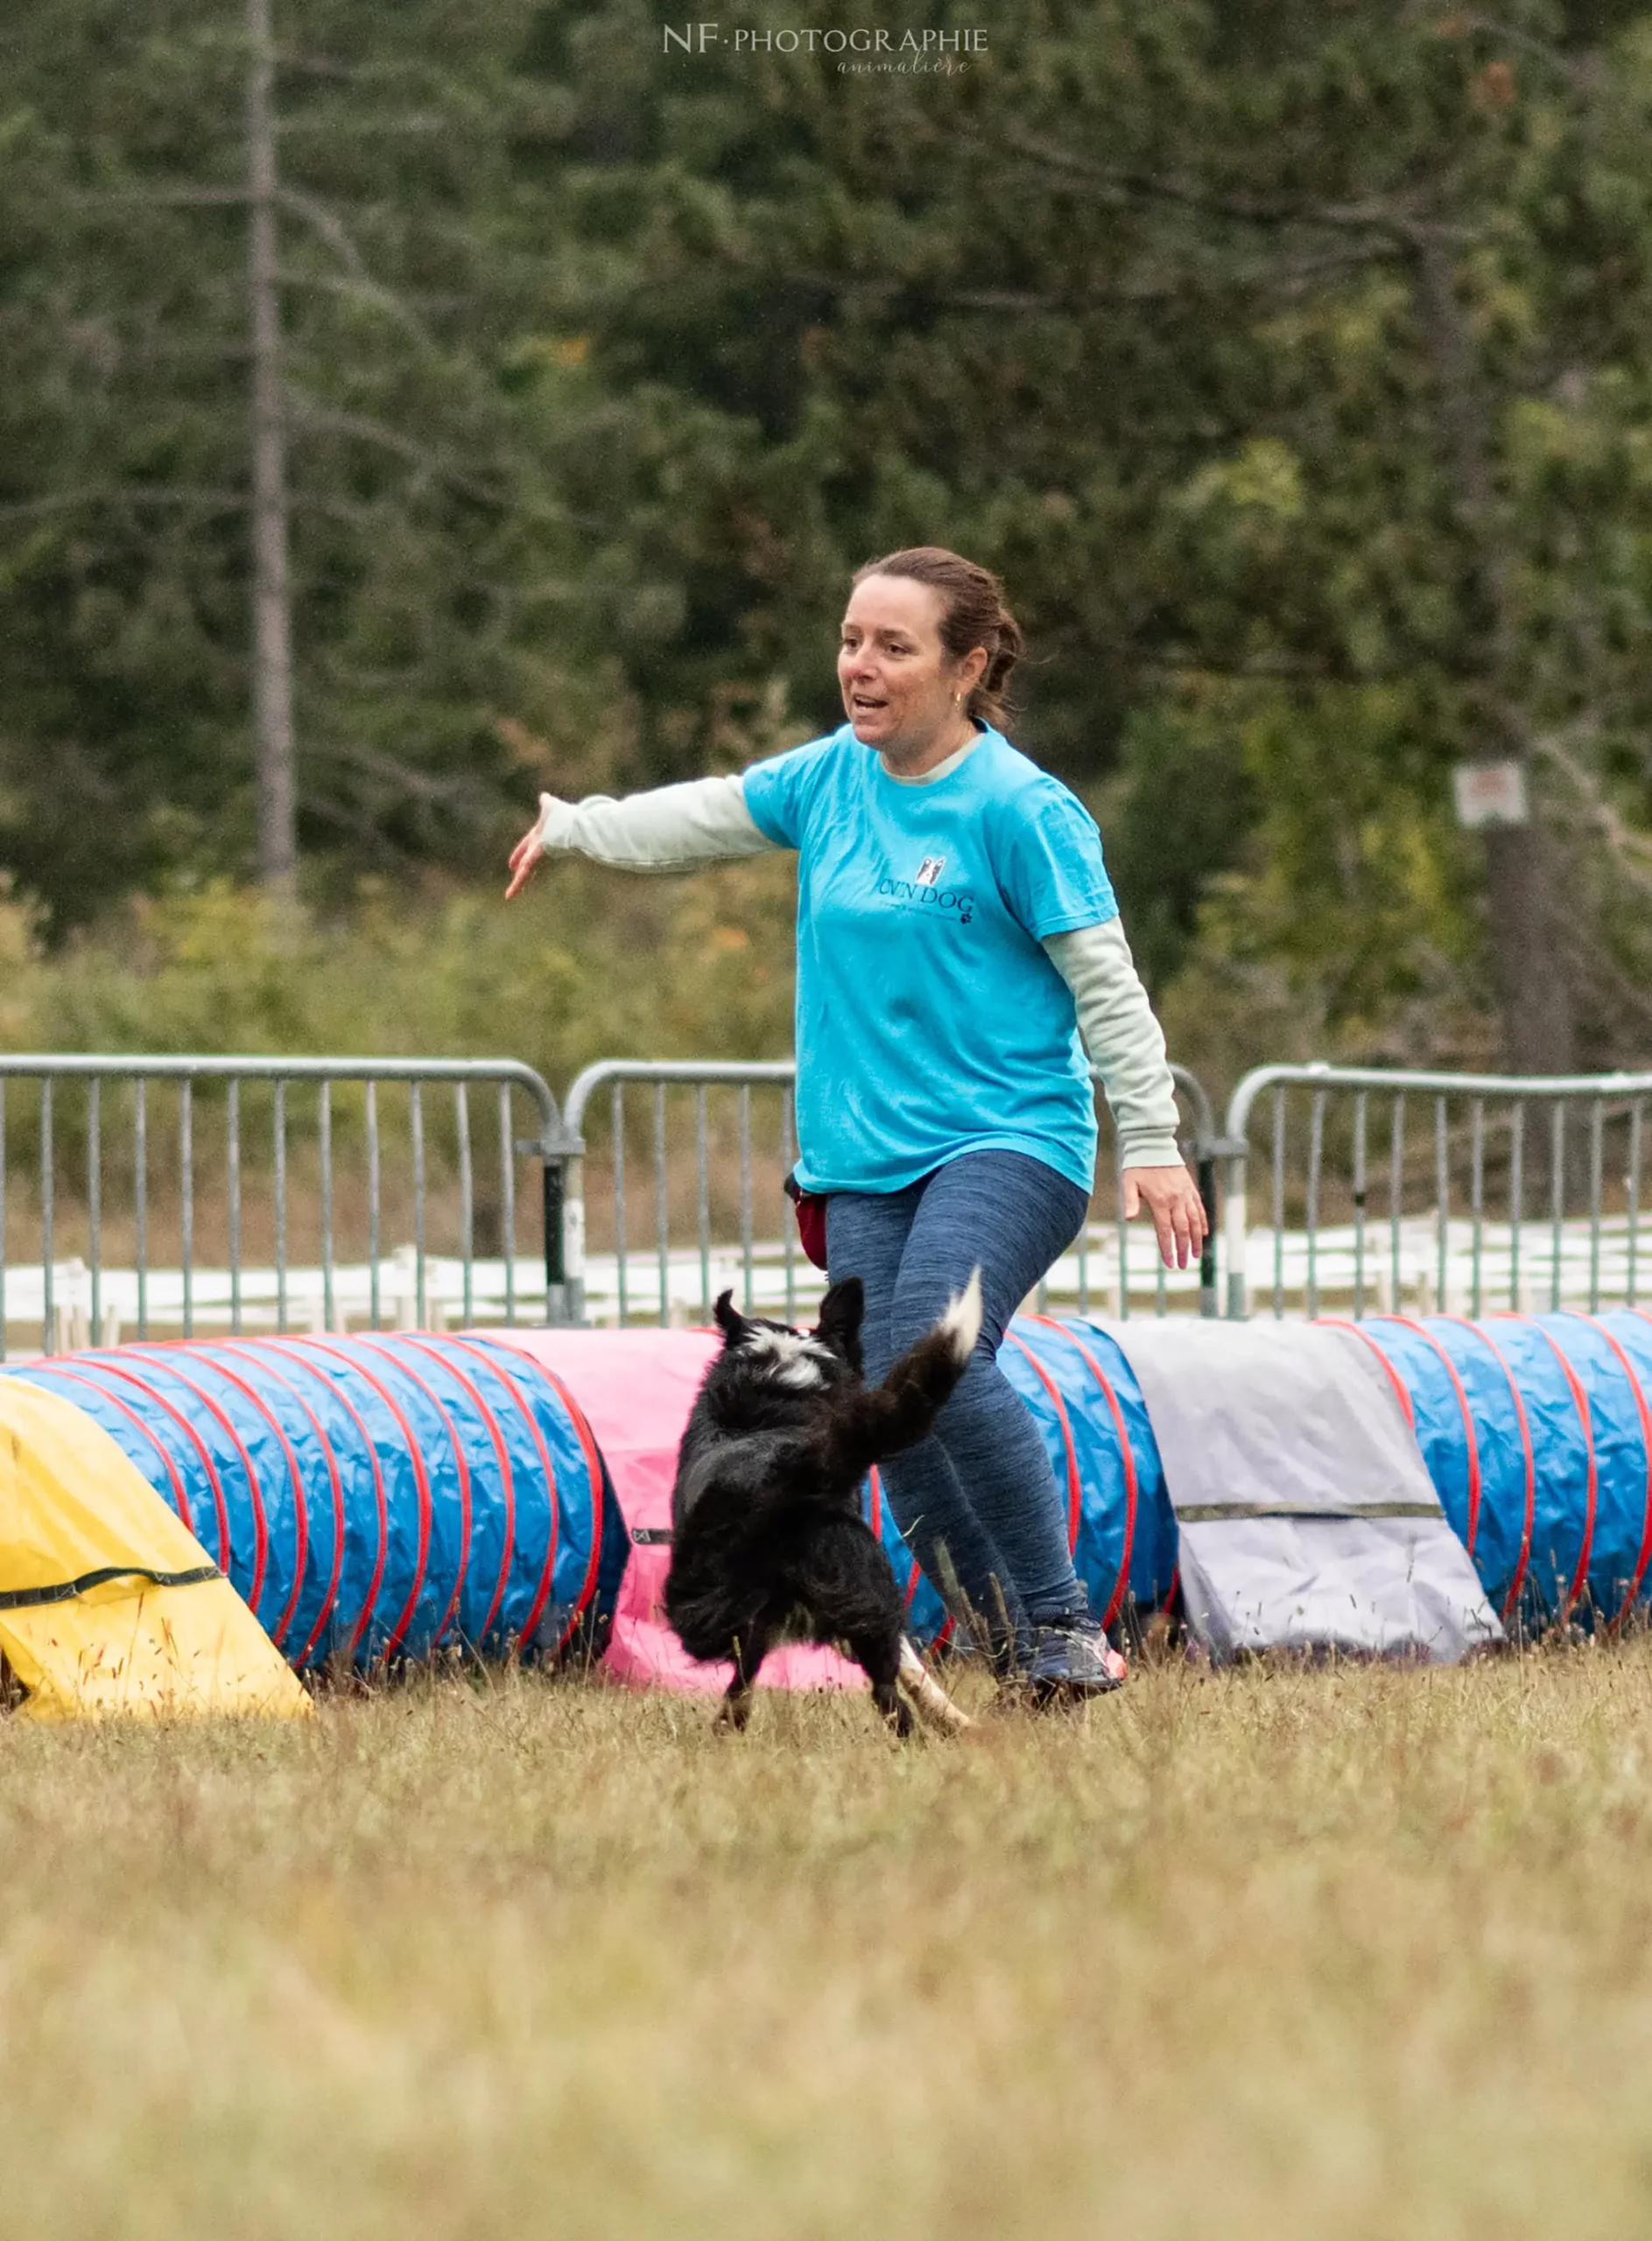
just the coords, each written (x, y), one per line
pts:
(678, 828)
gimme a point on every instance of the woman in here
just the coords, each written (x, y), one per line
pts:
(955, 924)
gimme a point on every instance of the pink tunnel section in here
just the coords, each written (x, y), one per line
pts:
(636, 1390)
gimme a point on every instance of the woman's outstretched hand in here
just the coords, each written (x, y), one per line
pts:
(1172, 1197)
(525, 857)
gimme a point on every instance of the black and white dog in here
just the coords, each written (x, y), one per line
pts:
(768, 1541)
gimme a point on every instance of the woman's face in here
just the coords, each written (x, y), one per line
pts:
(900, 686)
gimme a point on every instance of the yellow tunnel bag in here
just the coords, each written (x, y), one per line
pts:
(108, 1604)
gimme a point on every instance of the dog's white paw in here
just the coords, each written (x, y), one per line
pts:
(962, 1323)
(934, 1707)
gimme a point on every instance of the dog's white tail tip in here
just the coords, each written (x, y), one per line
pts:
(961, 1322)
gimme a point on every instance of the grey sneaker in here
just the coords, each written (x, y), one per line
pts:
(1073, 1659)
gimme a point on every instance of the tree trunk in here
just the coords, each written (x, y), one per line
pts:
(271, 597)
(1527, 972)
(1522, 888)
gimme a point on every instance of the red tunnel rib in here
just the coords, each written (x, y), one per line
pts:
(221, 1506)
(324, 1616)
(1580, 1403)
(300, 1499)
(1121, 1585)
(1422, 1331)
(495, 1433)
(162, 1356)
(1627, 1366)
(421, 1481)
(1529, 1523)
(1075, 1494)
(542, 1595)
(180, 1494)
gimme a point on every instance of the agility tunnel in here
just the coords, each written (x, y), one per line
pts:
(636, 1388)
(369, 1497)
(1088, 1405)
(374, 1498)
(1535, 1431)
(377, 1498)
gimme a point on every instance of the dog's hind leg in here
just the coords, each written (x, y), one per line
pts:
(749, 1657)
(736, 1704)
(880, 1658)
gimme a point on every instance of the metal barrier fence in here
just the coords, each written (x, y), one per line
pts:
(1434, 1186)
(1443, 1191)
(95, 1116)
(732, 1153)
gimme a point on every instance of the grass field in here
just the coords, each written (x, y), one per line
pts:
(1359, 1952)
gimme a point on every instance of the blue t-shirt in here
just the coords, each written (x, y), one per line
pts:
(930, 1022)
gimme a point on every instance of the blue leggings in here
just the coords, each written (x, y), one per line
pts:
(977, 1499)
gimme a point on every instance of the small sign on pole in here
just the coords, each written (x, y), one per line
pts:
(1490, 793)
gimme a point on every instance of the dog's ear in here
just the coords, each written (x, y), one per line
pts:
(840, 1324)
(730, 1320)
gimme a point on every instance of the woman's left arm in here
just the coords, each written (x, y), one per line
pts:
(1126, 1045)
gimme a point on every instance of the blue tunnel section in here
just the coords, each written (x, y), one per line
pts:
(370, 1498)
(1093, 1421)
(1538, 1435)
(925, 1612)
(1090, 1413)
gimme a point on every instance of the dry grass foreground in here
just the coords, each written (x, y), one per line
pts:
(1360, 1952)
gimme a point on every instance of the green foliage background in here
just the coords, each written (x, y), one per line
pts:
(606, 361)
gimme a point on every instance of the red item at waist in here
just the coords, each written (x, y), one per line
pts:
(810, 1208)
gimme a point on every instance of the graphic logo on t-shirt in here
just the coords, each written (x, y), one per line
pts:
(924, 888)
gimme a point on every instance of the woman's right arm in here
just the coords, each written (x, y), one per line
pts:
(670, 829)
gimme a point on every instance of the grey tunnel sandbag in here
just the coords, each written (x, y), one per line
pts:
(369, 1496)
(1307, 1518)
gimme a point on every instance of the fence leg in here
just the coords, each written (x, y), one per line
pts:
(1238, 1303)
(564, 1239)
(1208, 1304)
(556, 1288)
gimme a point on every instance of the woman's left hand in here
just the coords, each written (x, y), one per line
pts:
(1172, 1197)
(525, 857)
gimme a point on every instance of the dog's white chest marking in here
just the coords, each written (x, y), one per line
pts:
(797, 1359)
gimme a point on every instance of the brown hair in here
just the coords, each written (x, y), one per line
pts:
(973, 614)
